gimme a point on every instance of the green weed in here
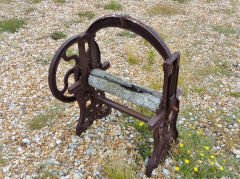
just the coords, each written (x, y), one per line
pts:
(156, 84)
(30, 10)
(198, 90)
(126, 34)
(42, 61)
(58, 35)
(226, 30)
(112, 5)
(59, 1)
(2, 161)
(151, 57)
(88, 15)
(159, 9)
(235, 94)
(43, 119)
(195, 156)
(11, 25)
(36, 1)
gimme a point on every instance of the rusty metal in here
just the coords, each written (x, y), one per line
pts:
(162, 125)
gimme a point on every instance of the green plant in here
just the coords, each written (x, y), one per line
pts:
(235, 94)
(43, 119)
(42, 61)
(199, 90)
(59, 1)
(30, 10)
(58, 35)
(126, 34)
(132, 60)
(156, 84)
(226, 30)
(117, 170)
(88, 14)
(5, 1)
(11, 25)
(112, 5)
(151, 57)
(195, 156)
(2, 161)
(163, 10)
(36, 1)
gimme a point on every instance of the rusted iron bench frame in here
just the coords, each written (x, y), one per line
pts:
(162, 125)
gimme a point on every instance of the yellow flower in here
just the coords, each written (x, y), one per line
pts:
(238, 120)
(221, 168)
(215, 112)
(177, 168)
(141, 124)
(189, 134)
(212, 156)
(193, 128)
(187, 161)
(181, 145)
(216, 124)
(207, 148)
(195, 169)
(202, 154)
(188, 151)
(211, 163)
(204, 111)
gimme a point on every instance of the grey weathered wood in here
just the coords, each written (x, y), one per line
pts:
(133, 93)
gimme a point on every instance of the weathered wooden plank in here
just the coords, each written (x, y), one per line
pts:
(122, 88)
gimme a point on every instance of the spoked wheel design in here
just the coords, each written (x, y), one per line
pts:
(82, 64)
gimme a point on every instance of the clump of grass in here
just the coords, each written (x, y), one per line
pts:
(156, 84)
(112, 5)
(229, 11)
(132, 60)
(11, 25)
(195, 156)
(117, 170)
(88, 15)
(151, 57)
(126, 34)
(36, 1)
(58, 35)
(30, 10)
(38, 121)
(5, 1)
(198, 90)
(219, 67)
(159, 9)
(226, 30)
(2, 161)
(150, 60)
(42, 61)
(43, 119)
(59, 1)
(131, 57)
(235, 94)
